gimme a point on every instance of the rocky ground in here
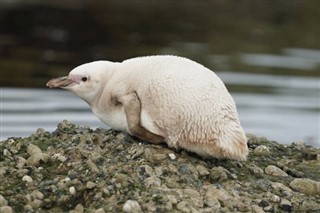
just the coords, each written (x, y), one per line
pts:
(77, 169)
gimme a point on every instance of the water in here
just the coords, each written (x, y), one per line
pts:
(290, 113)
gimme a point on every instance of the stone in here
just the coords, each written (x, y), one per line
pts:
(306, 186)
(20, 162)
(35, 159)
(285, 205)
(172, 156)
(131, 206)
(279, 187)
(33, 150)
(101, 210)
(90, 185)
(256, 209)
(3, 201)
(275, 171)
(27, 179)
(36, 194)
(219, 173)
(159, 157)
(78, 209)
(152, 181)
(211, 200)
(203, 171)
(72, 190)
(261, 150)
(6, 209)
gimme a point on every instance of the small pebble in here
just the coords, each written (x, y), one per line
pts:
(172, 156)
(203, 171)
(6, 209)
(72, 190)
(261, 150)
(285, 205)
(101, 210)
(3, 201)
(131, 206)
(90, 185)
(33, 150)
(27, 179)
(275, 171)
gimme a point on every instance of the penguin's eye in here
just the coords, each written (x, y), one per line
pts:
(84, 79)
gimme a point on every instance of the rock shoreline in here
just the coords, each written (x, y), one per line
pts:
(77, 169)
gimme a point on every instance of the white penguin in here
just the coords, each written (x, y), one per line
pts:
(162, 99)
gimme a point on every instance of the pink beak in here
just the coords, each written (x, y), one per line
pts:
(60, 82)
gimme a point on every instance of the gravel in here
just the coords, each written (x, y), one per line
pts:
(78, 169)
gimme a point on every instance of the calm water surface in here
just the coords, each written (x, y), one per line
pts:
(289, 114)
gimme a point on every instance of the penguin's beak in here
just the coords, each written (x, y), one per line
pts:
(61, 82)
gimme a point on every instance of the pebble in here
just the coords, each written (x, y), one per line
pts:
(27, 179)
(36, 194)
(33, 150)
(131, 206)
(159, 157)
(101, 210)
(6, 209)
(90, 185)
(203, 171)
(256, 209)
(275, 171)
(35, 159)
(306, 186)
(285, 205)
(152, 181)
(78, 209)
(20, 162)
(211, 200)
(279, 187)
(172, 156)
(3, 201)
(219, 173)
(261, 150)
(72, 190)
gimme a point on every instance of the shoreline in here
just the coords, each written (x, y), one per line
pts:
(77, 169)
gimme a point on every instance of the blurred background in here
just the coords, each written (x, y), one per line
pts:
(266, 52)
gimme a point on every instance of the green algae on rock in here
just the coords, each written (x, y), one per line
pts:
(80, 169)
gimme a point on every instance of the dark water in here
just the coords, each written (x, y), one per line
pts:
(289, 112)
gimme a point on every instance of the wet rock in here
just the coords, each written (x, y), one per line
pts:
(275, 171)
(261, 150)
(306, 186)
(131, 206)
